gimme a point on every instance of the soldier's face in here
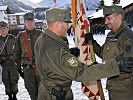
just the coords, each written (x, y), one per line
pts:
(4, 31)
(29, 24)
(113, 21)
(65, 26)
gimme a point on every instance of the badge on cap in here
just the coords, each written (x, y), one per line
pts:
(73, 62)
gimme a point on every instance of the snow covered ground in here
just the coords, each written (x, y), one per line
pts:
(76, 86)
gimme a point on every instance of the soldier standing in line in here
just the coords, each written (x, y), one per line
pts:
(10, 75)
(58, 67)
(24, 55)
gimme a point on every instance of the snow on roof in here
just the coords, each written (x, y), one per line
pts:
(125, 3)
(3, 8)
(20, 13)
(90, 12)
(99, 13)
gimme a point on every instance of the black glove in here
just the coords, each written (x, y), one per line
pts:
(21, 73)
(69, 31)
(125, 63)
(88, 36)
(75, 51)
(94, 63)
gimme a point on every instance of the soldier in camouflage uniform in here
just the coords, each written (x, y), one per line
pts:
(58, 67)
(119, 39)
(22, 59)
(10, 75)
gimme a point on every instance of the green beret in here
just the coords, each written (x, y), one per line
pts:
(107, 10)
(3, 24)
(58, 14)
(29, 16)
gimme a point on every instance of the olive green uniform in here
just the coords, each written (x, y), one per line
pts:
(21, 58)
(116, 43)
(58, 67)
(10, 75)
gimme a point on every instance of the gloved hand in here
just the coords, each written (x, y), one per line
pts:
(88, 36)
(21, 73)
(125, 63)
(94, 63)
(75, 51)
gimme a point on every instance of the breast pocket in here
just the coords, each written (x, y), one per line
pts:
(110, 50)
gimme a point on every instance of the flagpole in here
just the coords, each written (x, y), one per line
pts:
(81, 26)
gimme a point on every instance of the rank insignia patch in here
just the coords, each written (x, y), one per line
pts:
(73, 62)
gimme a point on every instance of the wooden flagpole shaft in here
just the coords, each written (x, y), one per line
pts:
(94, 59)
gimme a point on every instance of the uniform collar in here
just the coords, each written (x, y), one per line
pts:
(118, 31)
(30, 32)
(55, 37)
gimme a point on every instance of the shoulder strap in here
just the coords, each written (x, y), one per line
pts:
(26, 45)
(27, 49)
(2, 47)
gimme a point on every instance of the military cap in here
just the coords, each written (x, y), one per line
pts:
(3, 24)
(29, 16)
(107, 10)
(58, 14)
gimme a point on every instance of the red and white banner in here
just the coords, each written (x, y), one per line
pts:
(82, 26)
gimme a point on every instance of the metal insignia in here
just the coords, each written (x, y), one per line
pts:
(73, 62)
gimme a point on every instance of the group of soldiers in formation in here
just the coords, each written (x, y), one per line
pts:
(98, 29)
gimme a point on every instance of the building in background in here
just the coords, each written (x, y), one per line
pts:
(16, 21)
(129, 14)
(4, 10)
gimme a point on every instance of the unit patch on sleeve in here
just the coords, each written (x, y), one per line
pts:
(73, 62)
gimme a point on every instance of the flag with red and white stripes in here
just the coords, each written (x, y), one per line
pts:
(82, 26)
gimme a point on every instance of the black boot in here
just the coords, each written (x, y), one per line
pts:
(14, 96)
(10, 97)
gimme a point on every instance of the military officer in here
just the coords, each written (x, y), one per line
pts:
(10, 75)
(58, 67)
(119, 39)
(24, 55)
